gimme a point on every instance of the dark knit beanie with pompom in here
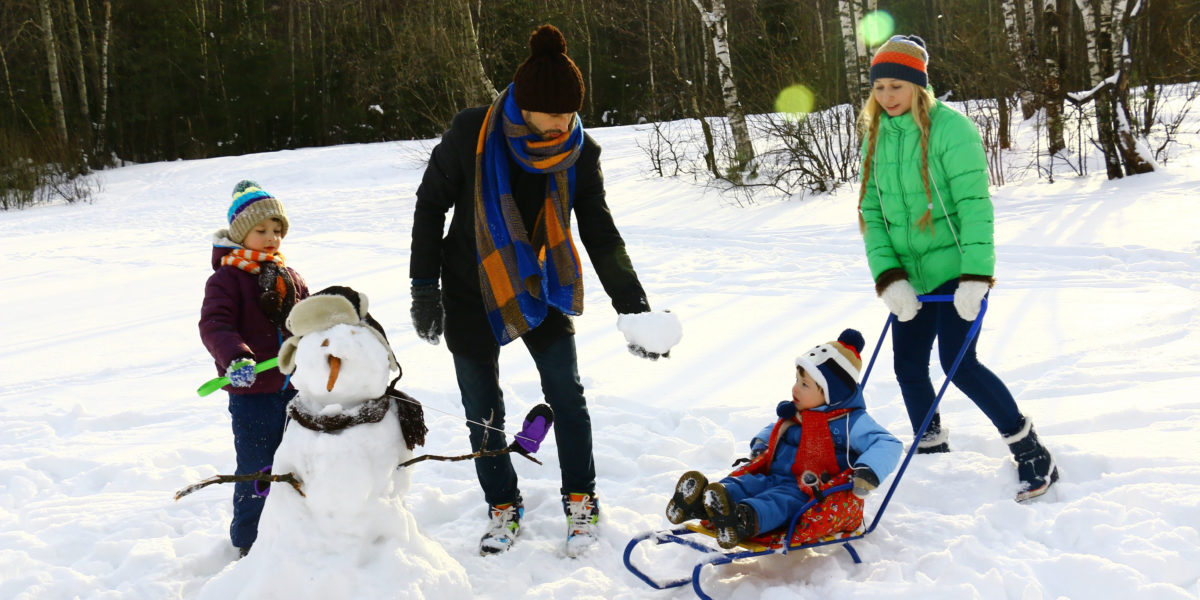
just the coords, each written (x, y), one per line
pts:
(548, 81)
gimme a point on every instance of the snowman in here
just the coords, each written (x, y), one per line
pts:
(345, 532)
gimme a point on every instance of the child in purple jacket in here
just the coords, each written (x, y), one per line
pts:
(246, 302)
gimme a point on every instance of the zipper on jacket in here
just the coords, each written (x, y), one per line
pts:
(901, 160)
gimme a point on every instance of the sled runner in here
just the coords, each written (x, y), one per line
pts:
(781, 541)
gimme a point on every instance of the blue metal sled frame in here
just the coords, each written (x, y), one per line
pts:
(720, 557)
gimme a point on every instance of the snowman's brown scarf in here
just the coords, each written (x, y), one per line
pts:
(408, 410)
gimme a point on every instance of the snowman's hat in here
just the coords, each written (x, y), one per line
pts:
(331, 306)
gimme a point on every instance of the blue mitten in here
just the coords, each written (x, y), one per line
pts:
(241, 372)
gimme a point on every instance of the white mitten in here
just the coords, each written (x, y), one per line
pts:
(651, 334)
(968, 297)
(901, 299)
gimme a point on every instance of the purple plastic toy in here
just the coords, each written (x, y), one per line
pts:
(537, 425)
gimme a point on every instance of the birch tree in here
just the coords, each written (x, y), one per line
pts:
(587, 36)
(853, 52)
(1034, 101)
(713, 17)
(80, 73)
(654, 112)
(481, 85)
(860, 47)
(1135, 154)
(1013, 36)
(56, 96)
(1105, 23)
(102, 125)
(1097, 22)
(1051, 49)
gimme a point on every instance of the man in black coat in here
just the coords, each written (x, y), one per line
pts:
(513, 173)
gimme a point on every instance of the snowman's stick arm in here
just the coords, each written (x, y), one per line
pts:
(480, 454)
(289, 478)
(406, 398)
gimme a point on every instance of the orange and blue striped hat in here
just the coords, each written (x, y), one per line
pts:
(901, 57)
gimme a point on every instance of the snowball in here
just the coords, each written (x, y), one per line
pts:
(656, 332)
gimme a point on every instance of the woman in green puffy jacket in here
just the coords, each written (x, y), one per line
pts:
(926, 218)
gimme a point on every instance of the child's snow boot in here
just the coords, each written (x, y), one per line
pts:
(1035, 466)
(747, 521)
(583, 518)
(688, 501)
(936, 438)
(503, 528)
(720, 512)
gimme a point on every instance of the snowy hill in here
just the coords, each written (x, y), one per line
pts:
(1094, 325)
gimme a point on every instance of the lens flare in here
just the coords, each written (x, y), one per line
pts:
(876, 28)
(795, 100)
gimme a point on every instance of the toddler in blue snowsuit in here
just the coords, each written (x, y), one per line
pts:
(823, 437)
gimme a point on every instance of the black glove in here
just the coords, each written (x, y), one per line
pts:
(426, 311)
(637, 350)
(864, 481)
(640, 326)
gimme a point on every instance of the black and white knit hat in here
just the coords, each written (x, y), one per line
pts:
(331, 306)
(835, 366)
(252, 205)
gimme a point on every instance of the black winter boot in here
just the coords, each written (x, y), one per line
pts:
(747, 521)
(936, 438)
(720, 510)
(1035, 466)
(688, 501)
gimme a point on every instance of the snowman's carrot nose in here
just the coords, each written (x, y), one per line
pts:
(335, 364)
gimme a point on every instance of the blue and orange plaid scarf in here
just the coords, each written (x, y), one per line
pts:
(522, 273)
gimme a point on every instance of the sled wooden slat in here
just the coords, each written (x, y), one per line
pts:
(748, 544)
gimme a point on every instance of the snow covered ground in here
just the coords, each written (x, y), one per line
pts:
(1094, 325)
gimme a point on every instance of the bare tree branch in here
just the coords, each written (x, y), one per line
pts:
(288, 478)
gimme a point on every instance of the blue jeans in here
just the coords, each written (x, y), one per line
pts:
(912, 343)
(258, 421)
(483, 401)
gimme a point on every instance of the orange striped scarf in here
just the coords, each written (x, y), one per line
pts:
(278, 291)
(248, 260)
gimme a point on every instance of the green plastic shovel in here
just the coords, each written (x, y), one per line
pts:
(215, 384)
